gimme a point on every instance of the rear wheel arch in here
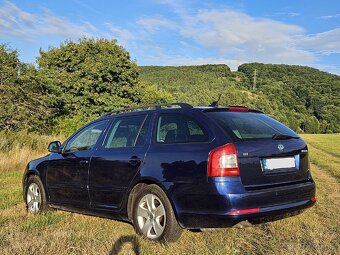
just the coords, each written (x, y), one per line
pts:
(137, 187)
(153, 216)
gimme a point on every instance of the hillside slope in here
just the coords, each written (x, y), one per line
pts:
(304, 98)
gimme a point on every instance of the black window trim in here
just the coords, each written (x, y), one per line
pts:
(140, 129)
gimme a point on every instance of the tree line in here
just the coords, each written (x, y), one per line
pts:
(78, 81)
(69, 86)
(305, 99)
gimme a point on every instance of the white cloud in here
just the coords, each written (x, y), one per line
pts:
(330, 16)
(123, 35)
(15, 22)
(327, 68)
(233, 37)
(327, 42)
(291, 14)
(246, 38)
(187, 61)
(178, 6)
(155, 23)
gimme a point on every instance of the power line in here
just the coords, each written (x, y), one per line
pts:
(254, 79)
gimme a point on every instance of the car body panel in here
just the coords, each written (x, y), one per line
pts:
(110, 175)
(67, 178)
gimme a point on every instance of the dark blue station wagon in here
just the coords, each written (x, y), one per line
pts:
(173, 166)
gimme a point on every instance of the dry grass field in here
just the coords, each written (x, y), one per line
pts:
(316, 231)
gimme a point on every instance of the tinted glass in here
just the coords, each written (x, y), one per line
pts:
(124, 132)
(178, 128)
(143, 134)
(248, 125)
(87, 138)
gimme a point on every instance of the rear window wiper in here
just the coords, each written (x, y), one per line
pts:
(283, 137)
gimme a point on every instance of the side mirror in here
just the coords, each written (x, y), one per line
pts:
(54, 147)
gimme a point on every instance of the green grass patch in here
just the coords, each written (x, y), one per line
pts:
(10, 179)
(329, 143)
(10, 189)
(3, 221)
(42, 220)
(324, 151)
(10, 198)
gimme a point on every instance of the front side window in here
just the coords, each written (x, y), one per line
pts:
(87, 138)
(178, 128)
(127, 132)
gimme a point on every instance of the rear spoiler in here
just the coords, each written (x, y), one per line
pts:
(231, 109)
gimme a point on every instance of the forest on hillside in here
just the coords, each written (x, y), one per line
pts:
(304, 98)
(79, 81)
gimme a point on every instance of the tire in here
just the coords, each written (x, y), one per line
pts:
(153, 216)
(35, 195)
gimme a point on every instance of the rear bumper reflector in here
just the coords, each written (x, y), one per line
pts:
(244, 211)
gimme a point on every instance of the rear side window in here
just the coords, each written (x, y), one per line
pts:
(127, 132)
(178, 128)
(249, 125)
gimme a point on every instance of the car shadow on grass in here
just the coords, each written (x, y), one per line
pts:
(117, 247)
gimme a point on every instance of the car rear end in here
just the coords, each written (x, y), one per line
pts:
(260, 171)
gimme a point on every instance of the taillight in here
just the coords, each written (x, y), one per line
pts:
(313, 199)
(223, 161)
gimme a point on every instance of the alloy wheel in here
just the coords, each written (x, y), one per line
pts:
(151, 216)
(33, 198)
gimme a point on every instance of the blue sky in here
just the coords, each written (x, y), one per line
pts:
(173, 32)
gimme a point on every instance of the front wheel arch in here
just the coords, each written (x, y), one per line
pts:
(33, 178)
(27, 175)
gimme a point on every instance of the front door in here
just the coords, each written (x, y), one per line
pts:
(67, 174)
(117, 161)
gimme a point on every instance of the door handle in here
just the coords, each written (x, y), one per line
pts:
(134, 161)
(83, 162)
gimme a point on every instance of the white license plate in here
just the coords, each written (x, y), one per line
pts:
(278, 163)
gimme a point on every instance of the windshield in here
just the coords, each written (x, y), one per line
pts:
(250, 125)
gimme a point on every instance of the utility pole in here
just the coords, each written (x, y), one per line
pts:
(254, 80)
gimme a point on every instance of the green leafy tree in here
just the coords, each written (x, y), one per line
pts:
(90, 76)
(9, 65)
(151, 94)
(26, 100)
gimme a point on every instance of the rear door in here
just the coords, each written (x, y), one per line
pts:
(117, 160)
(179, 149)
(264, 161)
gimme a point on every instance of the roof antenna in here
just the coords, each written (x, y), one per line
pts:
(215, 103)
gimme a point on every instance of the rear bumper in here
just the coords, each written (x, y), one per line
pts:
(271, 204)
(197, 221)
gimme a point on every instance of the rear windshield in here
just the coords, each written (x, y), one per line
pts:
(249, 125)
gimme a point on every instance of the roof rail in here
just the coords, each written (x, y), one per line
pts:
(148, 107)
